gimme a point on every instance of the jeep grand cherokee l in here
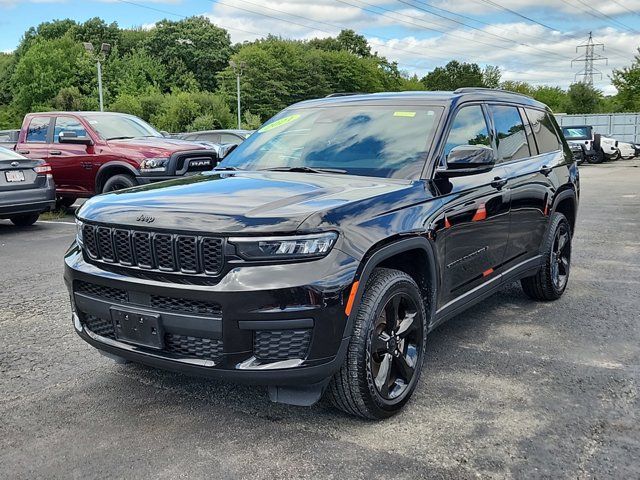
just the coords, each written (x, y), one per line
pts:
(325, 248)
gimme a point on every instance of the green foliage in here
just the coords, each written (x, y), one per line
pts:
(189, 111)
(347, 40)
(127, 103)
(135, 73)
(454, 75)
(251, 121)
(69, 99)
(192, 50)
(554, 97)
(627, 81)
(583, 98)
(7, 66)
(491, 76)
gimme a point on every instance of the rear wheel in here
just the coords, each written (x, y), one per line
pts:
(598, 157)
(118, 182)
(25, 220)
(65, 202)
(551, 281)
(385, 355)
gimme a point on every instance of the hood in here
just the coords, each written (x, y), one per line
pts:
(150, 147)
(247, 202)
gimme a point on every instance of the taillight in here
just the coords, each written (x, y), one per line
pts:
(45, 168)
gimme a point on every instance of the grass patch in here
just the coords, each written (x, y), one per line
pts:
(57, 215)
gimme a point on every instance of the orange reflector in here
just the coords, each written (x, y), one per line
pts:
(546, 209)
(481, 214)
(352, 297)
(486, 273)
(447, 224)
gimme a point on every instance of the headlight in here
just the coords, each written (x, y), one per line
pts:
(79, 237)
(154, 165)
(297, 247)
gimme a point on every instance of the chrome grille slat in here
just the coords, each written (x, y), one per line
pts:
(154, 251)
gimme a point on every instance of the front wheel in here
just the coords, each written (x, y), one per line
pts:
(118, 182)
(386, 351)
(551, 280)
(25, 220)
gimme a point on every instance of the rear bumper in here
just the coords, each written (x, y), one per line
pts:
(32, 200)
(290, 331)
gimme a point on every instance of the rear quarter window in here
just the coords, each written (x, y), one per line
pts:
(38, 131)
(543, 131)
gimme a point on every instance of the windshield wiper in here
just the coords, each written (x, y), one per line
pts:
(119, 138)
(303, 169)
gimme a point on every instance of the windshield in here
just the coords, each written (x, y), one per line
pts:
(112, 127)
(379, 141)
(576, 133)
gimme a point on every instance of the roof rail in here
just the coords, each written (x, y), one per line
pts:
(342, 94)
(485, 89)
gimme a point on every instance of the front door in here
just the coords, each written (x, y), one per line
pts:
(477, 219)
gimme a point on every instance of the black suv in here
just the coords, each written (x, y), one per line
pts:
(325, 248)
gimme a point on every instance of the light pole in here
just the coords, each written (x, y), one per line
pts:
(105, 48)
(237, 69)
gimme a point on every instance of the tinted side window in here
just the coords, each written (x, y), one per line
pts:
(210, 137)
(67, 124)
(543, 130)
(511, 136)
(469, 128)
(38, 130)
(229, 138)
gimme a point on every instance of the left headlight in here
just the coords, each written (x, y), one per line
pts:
(286, 248)
(149, 165)
(79, 237)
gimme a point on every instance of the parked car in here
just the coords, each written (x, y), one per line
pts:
(95, 152)
(596, 147)
(627, 150)
(26, 188)
(218, 136)
(323, 249)
(9, 138)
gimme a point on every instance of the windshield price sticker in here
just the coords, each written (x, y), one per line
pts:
(279, 123)
(404, 114)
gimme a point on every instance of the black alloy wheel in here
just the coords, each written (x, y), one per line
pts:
(395, 346)
(118, 182)
(561, 257)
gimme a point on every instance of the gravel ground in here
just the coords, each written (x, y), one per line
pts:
(511, 389)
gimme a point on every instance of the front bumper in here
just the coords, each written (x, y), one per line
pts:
(29, 200)
(269, 325)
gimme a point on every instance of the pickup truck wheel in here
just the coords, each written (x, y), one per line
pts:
(598, 157)
(386, 351)
(65, 202)
(551, 280)
(118, 182)
(25, 220)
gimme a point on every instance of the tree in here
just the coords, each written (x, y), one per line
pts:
(454, 75)
(491, 76)
(347, 40)
(627, 81)
(554, 97)
(135, 73)
(7, 66)
(193, 48)
(583, 98)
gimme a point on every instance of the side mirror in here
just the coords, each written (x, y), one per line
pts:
(468, 160)
(73, 138)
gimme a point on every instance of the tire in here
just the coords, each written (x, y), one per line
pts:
(25, 220)
(374, 383)
(65, 202)
(118, 182)
(597, 158)
(551, 280)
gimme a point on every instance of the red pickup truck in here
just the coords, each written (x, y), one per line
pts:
(95, 152)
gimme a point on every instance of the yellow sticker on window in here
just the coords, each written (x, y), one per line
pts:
(404, 114)
(279, 123)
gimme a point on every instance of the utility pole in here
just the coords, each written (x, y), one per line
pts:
(99, 57)
(237, 69)
(590, 56)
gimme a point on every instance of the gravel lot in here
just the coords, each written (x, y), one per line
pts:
(511, 389)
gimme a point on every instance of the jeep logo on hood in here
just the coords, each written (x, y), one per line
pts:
(145, 218)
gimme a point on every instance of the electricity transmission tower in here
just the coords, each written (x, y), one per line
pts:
(590, 56)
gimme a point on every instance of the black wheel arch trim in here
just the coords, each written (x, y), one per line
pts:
(377, 256)
(106, 166)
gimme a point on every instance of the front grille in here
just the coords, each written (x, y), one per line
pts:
(196, 168)
(185, 305)
(164, 252)
(271, 345)
(101, 291)
(193, 346)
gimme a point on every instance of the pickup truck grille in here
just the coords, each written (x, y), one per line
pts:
(154, 251)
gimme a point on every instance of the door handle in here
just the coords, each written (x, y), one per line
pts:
(55, 152)
(546, 170)
(23, 152)
(498, 183)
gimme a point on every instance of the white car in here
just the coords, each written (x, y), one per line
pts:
(627, 150)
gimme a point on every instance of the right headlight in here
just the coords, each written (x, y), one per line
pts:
(285, 248)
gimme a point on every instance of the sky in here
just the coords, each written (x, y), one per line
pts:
(530, 40)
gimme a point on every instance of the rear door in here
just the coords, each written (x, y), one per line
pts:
(531, 178)
(477, 222)
(73, 165)
(36, 138)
